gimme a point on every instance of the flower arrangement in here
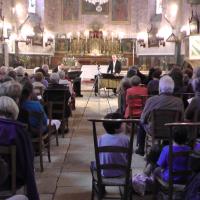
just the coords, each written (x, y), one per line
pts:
(69, 61)
(25, 60)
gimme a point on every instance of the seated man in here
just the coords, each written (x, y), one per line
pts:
(165, 100)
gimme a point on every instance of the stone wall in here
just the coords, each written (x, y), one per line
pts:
(50, 13)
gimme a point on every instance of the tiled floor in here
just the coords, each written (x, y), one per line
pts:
(67, 177)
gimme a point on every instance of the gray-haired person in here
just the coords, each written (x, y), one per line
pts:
(165, 100)
(11, 89)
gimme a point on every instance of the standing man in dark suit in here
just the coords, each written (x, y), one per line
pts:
(115, 66)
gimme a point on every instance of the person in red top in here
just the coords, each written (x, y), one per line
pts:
(136, 89)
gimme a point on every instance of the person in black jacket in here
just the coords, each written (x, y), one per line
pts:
(115, 66)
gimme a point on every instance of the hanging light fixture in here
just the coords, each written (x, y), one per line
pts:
(97, 3)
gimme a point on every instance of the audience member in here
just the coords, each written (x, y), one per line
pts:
(179, 163)
(150, 75)
(13, 132)
(45, 67)
(124, 85)
(13, 75)
(20, 72)
(44, 81)
(132, 71)
(54, 85)
(3, 72)
(37, 83)
(114, 136)
(11, 89)
(194, 106)
(153, 85)
(177, 76)
(28, 105)
(18, 197)
(64, 81)
(165, 100)
(135, 89)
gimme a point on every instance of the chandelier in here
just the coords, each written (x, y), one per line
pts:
(98, 4)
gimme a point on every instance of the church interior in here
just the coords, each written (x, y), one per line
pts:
(99, 99)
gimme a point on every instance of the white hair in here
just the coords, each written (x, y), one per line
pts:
(166, 85)
(10, 69)
(61, 74)
(20, 71)
(8, 108)
(11, 89)
(4, 70)
(54, 78)
(45, 67)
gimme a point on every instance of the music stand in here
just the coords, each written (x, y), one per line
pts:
(74, 74)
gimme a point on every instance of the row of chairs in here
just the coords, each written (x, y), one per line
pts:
(55, 108)
(137, 102)
(124, 183)
(41, 141)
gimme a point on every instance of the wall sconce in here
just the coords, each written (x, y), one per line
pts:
(161, 41)
(194, 24)
(49, 42)
(141, 43)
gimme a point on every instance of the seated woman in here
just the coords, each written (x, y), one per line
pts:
(28, 105)
(136, 89)
(13, 132)
(180, 138)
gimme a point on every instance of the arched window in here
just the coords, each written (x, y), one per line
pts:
(32, 6)
(159, 7)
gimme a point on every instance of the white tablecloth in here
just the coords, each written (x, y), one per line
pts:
(89, 71)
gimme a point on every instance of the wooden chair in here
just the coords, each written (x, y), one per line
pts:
(51, 128)
(58, 107)
(159, 132)
(40, 139)
(10, 153)
(98, 181)
(170, 187)
(136, 103)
